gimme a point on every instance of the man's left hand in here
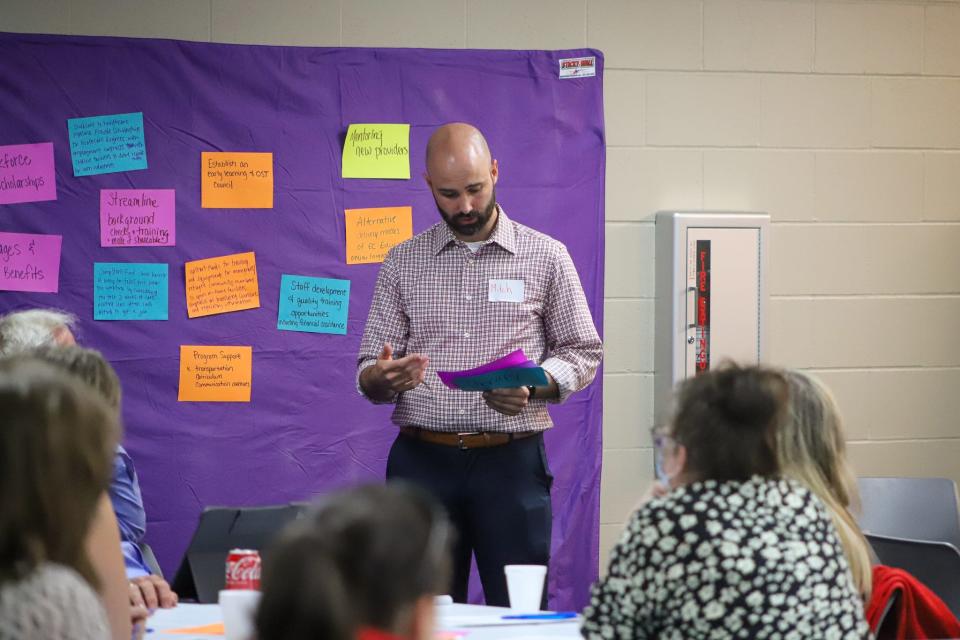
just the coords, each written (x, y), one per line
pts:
(152, 591)
(509, 402)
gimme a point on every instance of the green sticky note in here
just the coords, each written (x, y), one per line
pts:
(377, 151)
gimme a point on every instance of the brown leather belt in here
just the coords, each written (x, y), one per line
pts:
(464, 441)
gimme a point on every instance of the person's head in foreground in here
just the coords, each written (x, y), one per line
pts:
(365, 564)
(56, 450)
(24, 330)
(812, 449)
(732, 550)
(88, 365)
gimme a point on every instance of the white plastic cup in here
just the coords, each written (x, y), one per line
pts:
(525, 586)
(238, 606)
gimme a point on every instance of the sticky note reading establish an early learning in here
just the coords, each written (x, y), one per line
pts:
(236, 180)
(371, 233)
(219, 285)
(215, 374)
(377, 151)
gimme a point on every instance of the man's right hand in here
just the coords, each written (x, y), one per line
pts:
(388, 377)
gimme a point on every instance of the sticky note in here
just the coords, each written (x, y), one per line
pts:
(377, 151)
(371, 233)
(317, 305)
(107, 144)
(30, 262)
(137, 218)
(236, 180)
(222, 284)
(215, 374)
(130, 291)
(26, 173)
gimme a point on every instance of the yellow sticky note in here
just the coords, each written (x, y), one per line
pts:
(215, 374)
(377, 151)
(371, 233)
(219, 285)
(236, 180)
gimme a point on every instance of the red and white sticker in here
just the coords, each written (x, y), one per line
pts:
(578, 67)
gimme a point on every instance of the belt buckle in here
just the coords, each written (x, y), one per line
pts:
(461, 444)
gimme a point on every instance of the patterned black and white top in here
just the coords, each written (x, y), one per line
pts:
(755, 559)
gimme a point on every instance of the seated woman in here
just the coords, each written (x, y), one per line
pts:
(56, 451)
(364, 565)
(732, 550)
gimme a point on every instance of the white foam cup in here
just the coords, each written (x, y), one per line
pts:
(238, 606)
(525, 585)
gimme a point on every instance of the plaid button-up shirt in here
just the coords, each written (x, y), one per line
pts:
(432, 298)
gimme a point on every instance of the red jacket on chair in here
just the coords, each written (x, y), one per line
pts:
(919, 612)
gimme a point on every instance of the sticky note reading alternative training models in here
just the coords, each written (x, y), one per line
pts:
(371, 233)
(215, 373)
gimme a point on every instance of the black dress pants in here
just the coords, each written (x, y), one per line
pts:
(498, 499)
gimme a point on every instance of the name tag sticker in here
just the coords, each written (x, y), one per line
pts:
(506, 291)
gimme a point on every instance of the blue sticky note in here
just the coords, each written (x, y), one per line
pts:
(107, 144)
(509, 378)
(130, 291)
(317, 305)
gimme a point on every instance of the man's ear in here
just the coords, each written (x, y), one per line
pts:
(494, 170)
(423, 620)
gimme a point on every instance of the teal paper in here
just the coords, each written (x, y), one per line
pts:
(107, 144)
(316, 305)
(130, 291)
(504, 379)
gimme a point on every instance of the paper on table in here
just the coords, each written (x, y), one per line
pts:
(513, 359)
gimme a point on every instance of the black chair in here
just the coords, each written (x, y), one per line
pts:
(935, 564)
(910, 508)
(202, 572)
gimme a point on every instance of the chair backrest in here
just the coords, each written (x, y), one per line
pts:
(150, 558)
(935, 564)
(912, 508)
(202, 572)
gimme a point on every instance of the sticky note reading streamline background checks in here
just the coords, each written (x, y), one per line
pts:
(377, 151)
(215, 373)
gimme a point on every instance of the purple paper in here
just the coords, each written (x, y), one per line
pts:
(137, 218)
(513, 359)
(27, 173)
(29, 262)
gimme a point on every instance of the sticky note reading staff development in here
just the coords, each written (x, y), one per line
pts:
(371, 233)
(215, 373)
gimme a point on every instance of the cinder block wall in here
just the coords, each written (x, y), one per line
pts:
(841, 119)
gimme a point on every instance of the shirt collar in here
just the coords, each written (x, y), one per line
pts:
(504, 234)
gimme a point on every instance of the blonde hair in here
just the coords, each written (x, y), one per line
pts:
(812, 449)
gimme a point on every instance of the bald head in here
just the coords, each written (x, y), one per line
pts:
(456, 147)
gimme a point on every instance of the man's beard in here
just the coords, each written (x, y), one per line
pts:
(481, 218)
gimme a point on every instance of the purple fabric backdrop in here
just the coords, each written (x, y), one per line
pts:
(306, 430)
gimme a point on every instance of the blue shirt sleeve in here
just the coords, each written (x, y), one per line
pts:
(128, 505)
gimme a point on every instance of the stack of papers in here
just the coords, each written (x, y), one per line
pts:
(510, 371)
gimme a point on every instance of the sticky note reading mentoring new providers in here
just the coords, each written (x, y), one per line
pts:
(215, 373)
(236, 180)
(371, 233)
(377, 151)
(219, 285)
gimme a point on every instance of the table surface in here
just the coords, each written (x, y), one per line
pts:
(471, 622)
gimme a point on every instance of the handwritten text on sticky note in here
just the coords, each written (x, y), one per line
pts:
(371, 233)
(26, 173)
(377, 151)
(317, 305)
(130, 291)
(30, 262)
(215, 374)
(107, 144)
(222, 284)
(236, 180)
(137, 218)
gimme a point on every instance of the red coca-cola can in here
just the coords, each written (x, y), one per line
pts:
(243, 569)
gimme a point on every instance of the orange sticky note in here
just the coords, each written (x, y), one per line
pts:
(222, 284)
(215, 629)
(231, 180)
(215, 374)
(371, 233)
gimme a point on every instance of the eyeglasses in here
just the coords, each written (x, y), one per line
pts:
(661, 441)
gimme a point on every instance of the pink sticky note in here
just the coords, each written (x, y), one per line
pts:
(26, 173)
(137, 218)
(29, 262)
